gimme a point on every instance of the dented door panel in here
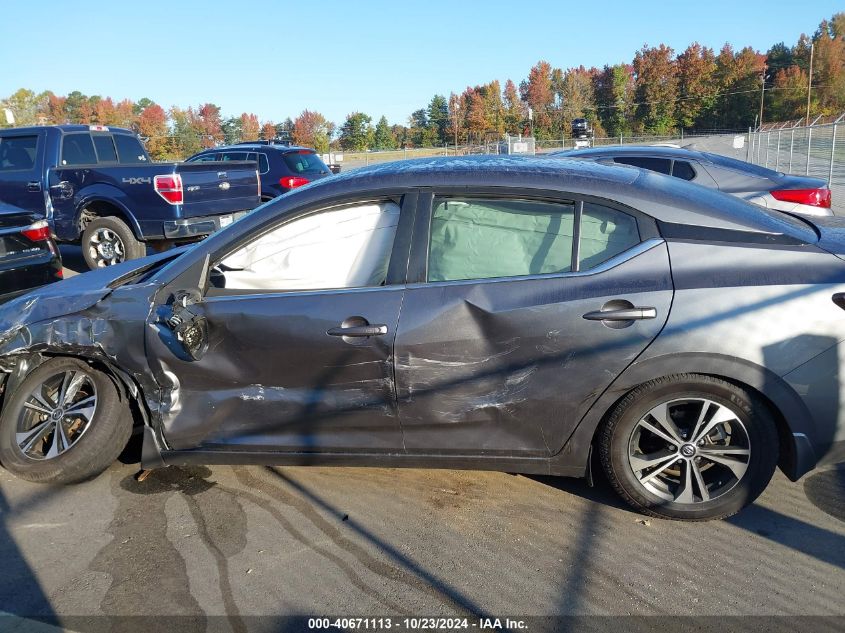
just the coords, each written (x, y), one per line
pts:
(272, 378)
(510, 366)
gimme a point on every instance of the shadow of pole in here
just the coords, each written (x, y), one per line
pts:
(20, 592)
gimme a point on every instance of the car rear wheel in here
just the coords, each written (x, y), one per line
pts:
(689, 447)
(64, 423)
(108, 241)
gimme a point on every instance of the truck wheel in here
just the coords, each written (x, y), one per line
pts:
(108, 241)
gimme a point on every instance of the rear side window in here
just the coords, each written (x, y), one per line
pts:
(227, 156)
(605, 233)
(129, 149)
(305, 163)
(78, 149)
(480, 239)
(660, 165)
(17, 153)
(106, 152)
(263, 165)
(683, 170)
(475, 238)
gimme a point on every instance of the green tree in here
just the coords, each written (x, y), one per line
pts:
(232, 130)
(437, 114)
(512, 109)
(615, 90)
(383, 137)
(788, 98)
(356, 133)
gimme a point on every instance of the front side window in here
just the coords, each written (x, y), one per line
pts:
(346, 247)
(477, 238)
(660, 165)
(228, 156)
(78, 149)
(17, 153)
(473, 238)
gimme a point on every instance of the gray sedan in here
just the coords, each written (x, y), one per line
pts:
(538, 316)
(762, 186)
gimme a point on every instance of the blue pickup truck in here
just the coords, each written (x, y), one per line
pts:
(97, 186)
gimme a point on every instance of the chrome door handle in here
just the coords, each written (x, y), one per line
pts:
(624, 314)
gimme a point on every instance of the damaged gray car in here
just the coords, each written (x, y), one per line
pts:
(524, 315)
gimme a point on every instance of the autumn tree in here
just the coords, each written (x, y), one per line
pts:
(185, 136)
(267, 131)
(310, 129)
(829, 69)
(537, 93)
(152, 126)
(575, 92)
(695, 68)
(656, 88)
(250, 127)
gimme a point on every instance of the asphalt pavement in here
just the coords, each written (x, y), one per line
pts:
(233, 548)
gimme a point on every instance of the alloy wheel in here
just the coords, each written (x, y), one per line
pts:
(56, 415)
(106, 248)
(690, 450)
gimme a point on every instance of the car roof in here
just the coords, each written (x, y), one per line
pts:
(663, 197)
(657, 151)
(67, 127)
(256, 147)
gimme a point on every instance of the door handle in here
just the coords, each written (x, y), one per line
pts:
(33, 186)
(623, 314)
(358, 330)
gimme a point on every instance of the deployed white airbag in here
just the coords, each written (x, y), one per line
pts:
(343, 248)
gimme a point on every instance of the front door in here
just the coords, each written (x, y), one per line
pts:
(300, 325)
(523, 312)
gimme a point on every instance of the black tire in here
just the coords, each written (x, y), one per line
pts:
(91, 453)
(622, 430)
(124, 245)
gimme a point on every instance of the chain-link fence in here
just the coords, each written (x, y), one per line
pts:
(814, 150)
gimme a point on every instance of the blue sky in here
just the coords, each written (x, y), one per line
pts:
(380, 57)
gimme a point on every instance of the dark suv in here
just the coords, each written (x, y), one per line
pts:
(281, 167)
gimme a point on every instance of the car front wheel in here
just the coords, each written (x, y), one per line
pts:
(64, 423)
(689, 447)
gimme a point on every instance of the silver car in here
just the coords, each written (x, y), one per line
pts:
(762, 186)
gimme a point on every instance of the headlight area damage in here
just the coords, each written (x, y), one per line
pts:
(92, 318)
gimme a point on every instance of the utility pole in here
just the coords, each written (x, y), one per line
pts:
(810, 81)
(762, 94)
(457, 105)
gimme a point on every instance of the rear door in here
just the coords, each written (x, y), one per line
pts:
(22, 170)
(523, 310)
